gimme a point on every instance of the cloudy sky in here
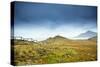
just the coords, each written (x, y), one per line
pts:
(40, 21)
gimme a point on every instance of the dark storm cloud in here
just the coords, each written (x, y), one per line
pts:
(39, 14)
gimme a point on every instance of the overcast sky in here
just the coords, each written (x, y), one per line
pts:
(40, 21)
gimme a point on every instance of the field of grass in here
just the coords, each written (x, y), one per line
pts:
(53, 51)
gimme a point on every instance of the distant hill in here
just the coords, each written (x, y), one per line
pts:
(86, 35)
(56, 40)
(58, 37)
(93, 38)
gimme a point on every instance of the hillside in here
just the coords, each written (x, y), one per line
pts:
(56, 49)
(86, 35)
(56, 40)
(93, 39)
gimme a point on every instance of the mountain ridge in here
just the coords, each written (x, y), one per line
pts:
(86, 35)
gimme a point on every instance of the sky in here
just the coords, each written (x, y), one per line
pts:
(42, 20)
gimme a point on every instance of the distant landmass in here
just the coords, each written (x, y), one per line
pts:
(56, 40)
(93, 38)
(86, 35)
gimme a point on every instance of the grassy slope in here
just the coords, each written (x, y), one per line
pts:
(56, 50)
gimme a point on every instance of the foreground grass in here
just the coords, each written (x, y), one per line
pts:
(34, 53)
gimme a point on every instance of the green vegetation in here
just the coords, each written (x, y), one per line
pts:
(53, 50)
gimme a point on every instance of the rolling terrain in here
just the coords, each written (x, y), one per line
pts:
(56, 49)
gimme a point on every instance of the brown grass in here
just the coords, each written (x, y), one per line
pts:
(54, 52)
